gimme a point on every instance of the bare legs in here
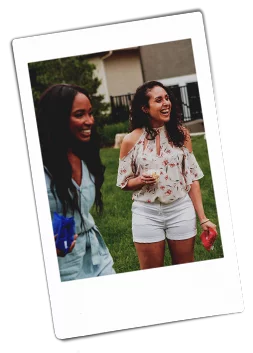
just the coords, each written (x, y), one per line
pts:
(151, 255)
(182, 251)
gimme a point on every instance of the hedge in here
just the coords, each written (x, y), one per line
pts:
(108, 132)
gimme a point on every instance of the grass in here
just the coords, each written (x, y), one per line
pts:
(115, 223)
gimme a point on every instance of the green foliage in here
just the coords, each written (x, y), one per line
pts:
(73, 70)
(108, 132)
(115, 223)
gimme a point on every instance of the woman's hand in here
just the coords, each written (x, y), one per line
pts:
(138, 182)
(61, 253)
(147, 179)
(207, 225)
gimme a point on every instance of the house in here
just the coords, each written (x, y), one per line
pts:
(171, 63)
(119, 70)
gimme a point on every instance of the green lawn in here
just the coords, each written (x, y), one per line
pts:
(115, 223)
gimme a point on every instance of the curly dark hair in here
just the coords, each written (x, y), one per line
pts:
(140, 119)
(53, 115)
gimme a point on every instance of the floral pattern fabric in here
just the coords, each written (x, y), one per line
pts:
(177, 169)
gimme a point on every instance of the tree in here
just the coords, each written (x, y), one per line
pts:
(75, 70)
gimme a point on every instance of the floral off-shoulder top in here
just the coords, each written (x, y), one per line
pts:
(175, 167)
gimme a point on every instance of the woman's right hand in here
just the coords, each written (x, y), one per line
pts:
(147, 179)
(138, 182)
(60, 253)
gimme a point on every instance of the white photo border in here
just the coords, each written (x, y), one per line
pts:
(139, 298)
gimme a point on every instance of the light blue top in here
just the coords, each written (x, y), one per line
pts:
(90, 256)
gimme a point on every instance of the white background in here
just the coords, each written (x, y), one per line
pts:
(26, 317)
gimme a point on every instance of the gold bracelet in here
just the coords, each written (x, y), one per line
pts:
(207, 220)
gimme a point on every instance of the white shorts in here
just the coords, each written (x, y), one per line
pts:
(153, 222)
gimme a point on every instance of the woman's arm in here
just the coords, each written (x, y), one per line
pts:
(195, 192)
(138, 182)
(134, 184)
(187, 141)
(196, 197)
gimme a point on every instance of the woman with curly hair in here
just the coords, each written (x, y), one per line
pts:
(158, 165)
(74, 176)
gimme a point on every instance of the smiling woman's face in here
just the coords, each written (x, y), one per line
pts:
(81, 118)
(159, 106)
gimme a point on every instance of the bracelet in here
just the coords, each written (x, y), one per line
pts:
(207, 220)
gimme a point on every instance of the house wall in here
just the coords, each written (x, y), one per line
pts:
(123, 72)
(167, 60)
(99, 72)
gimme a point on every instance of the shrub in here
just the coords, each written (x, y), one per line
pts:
(108, 132)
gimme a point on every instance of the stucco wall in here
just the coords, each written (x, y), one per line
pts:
(123, 72)
(100, 73)
(165, 60)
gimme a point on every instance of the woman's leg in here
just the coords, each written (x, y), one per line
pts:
(182, 251)
(150, 255)
(181, 230)
(148, 234)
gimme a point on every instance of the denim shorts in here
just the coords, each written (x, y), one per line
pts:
(153, 222)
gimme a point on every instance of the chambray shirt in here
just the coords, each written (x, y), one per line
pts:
(90, 256)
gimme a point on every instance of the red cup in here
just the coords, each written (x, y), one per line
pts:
(208, 238)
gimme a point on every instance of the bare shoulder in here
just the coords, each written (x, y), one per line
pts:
(187, 141)
(129, 141)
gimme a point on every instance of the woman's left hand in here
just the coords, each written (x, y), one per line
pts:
(60, 253)
(207, 225)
